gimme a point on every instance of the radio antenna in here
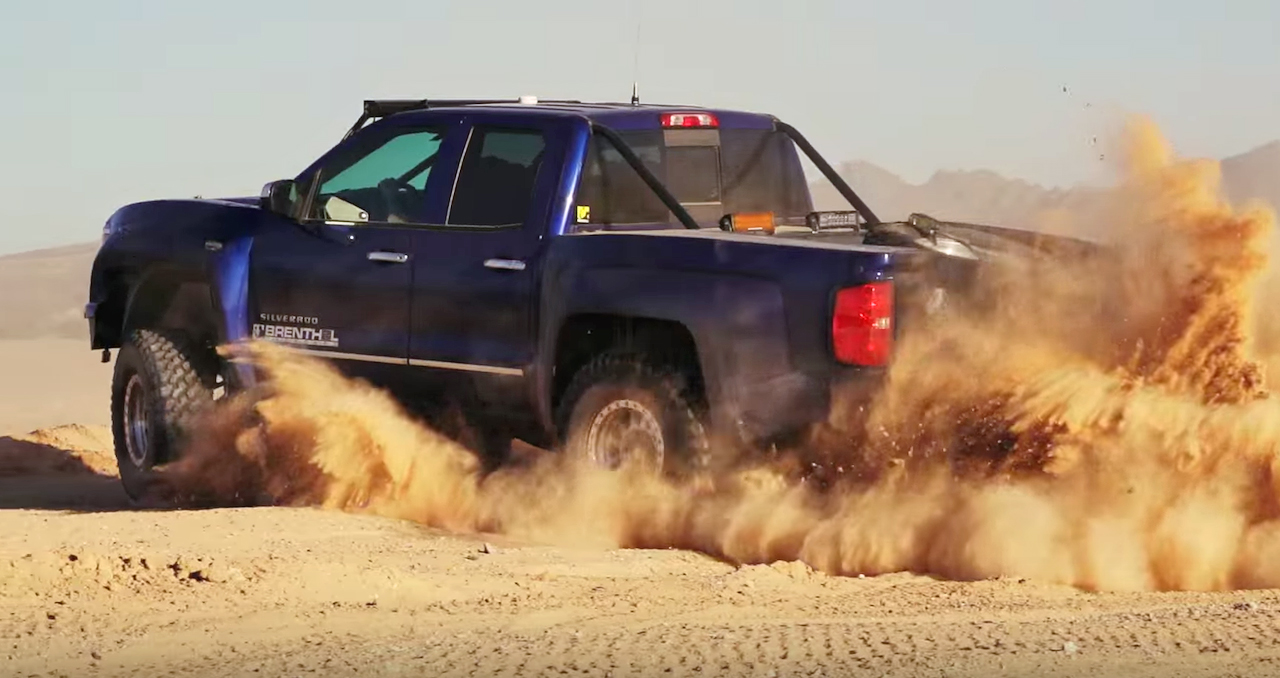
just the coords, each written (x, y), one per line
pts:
(635, 67)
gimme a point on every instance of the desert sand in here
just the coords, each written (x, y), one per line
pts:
(90, 587)
(49, 382)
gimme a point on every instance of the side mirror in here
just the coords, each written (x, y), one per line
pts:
(280, 197)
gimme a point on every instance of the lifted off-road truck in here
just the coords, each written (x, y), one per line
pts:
(624, 280)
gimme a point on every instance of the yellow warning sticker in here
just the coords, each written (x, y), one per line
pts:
(584, 213)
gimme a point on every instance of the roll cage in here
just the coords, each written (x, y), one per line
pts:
(381, 108)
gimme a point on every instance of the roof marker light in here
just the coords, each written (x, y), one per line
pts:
(689, 120)
(528, 99)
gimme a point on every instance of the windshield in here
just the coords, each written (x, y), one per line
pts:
(710, 172)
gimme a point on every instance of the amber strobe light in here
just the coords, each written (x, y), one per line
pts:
(748, 221)
(862, 324)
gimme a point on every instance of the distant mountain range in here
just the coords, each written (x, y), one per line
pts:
(983, 196)
(45, 290)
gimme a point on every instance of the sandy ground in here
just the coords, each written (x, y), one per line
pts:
(294, 592)
(89, 587)
(42, 293)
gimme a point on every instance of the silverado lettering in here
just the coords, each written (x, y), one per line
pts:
(292, 319)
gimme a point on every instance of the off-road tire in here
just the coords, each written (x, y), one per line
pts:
(178, 379)
(664, 392)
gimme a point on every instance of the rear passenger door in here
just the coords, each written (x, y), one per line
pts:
(475, 275)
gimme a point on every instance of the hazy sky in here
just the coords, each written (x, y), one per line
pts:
(110, 102)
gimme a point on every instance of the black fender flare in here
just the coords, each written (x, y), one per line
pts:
(749, 311)
(166, 297)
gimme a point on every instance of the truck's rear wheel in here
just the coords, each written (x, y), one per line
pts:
(161, 380)
(619, 410)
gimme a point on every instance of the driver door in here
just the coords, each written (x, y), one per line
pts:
(337, 285)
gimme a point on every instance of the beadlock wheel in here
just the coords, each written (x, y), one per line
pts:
(137, 444)
(620, 410)
(162, 382)
(625, 432)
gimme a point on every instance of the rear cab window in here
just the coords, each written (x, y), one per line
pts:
(711, 172)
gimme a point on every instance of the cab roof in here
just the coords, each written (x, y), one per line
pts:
(618, 115)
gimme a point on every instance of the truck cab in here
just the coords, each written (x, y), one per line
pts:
(423, 235)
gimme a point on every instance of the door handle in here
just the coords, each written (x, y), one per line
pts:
(213, 245)
(504, 264)
(388, 257)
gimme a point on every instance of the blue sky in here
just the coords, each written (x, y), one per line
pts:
(110, 102)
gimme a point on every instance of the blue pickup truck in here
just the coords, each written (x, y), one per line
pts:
(623, 281)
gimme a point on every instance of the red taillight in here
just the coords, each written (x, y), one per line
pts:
(689, 120)
(862, 324)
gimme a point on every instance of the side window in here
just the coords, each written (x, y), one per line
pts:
(382, 178)
(496, 180)
(611, 192)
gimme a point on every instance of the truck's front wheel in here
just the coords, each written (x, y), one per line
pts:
(620, 410)
(161, 380)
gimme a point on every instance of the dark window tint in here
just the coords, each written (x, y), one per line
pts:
(496, 181)
(611, 191)
(751, 171)
(383, 174)
(762, 173)
(693, 173)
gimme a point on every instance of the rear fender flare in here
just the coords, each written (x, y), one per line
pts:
(738, 323)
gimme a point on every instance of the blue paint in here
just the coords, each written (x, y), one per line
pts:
(233, 287)
(575, 155)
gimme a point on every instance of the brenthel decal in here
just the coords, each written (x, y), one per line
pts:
(297, 336)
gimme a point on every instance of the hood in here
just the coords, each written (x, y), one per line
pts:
(252, 201)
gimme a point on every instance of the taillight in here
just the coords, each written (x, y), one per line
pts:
(862, 324)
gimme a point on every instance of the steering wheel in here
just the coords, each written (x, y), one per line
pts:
(399, 196)
(394, 184)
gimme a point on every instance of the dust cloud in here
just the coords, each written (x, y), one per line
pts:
(1101, 422)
